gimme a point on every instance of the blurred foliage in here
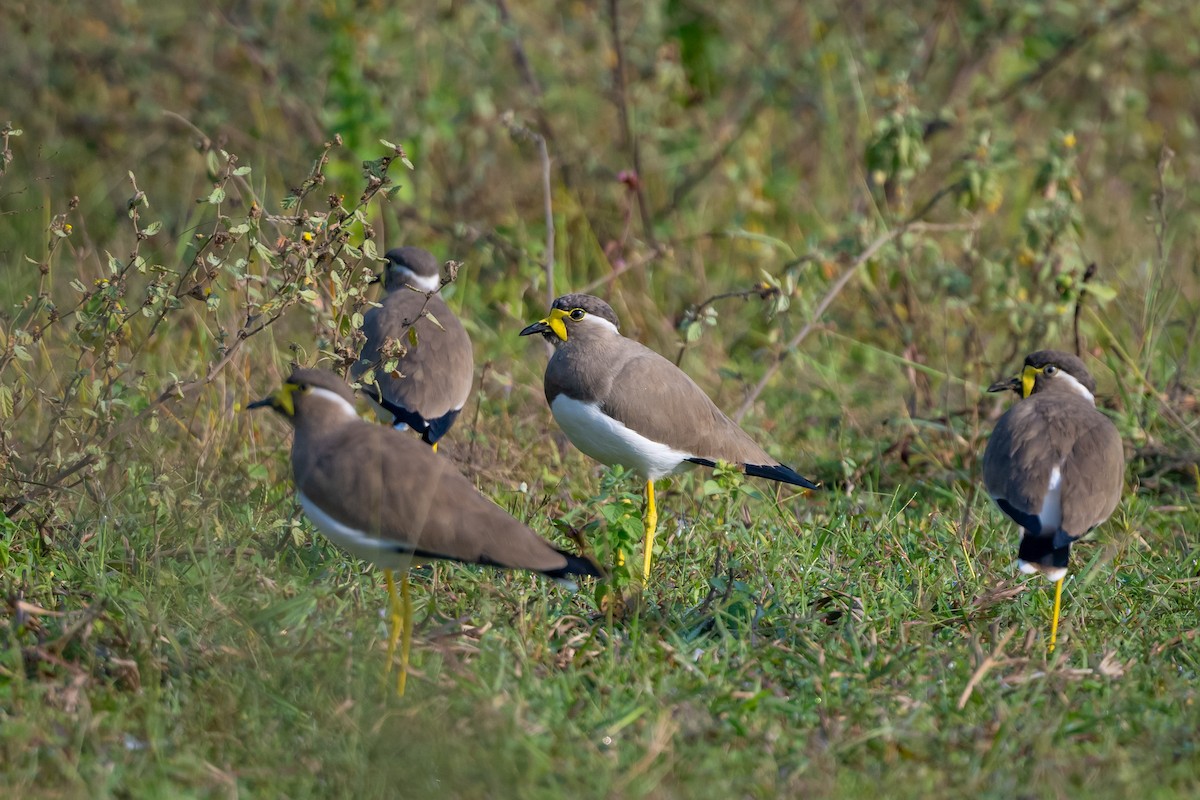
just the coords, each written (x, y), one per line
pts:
(844, 219)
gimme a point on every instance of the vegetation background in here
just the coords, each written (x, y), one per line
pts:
(843, 219)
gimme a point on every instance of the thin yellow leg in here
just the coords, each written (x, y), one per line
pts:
(1054, 619)
(400, 625)
(406, 641)
(395, 617)
(651, 526)
(435, 447)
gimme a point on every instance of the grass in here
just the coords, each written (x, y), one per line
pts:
(825, 648)
(171, 624)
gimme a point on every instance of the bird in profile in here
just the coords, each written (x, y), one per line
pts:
(386, 498)
(1054, 464)
(434, 362)
(622, 403)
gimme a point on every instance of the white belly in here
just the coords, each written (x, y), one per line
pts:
(355, 542)
(610, 442)
(1050, 515)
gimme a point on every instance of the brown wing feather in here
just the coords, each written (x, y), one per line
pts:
(411, 496)
(433, 383)
(658, 400)
(1093, 476)
(1017, 462)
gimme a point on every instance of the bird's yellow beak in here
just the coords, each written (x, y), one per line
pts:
(550, 324)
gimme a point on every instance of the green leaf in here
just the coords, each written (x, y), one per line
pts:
(412, 336)
(217, 196)
(152, 228)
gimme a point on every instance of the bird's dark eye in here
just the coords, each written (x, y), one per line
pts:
(1050, 369)
(578, 314)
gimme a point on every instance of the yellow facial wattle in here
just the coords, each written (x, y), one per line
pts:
(555, 321)
(1028, 377)
(284, 401)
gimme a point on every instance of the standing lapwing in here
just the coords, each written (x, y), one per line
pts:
(386, 498)
(622, 403)
(433, 374)
(1055, 465)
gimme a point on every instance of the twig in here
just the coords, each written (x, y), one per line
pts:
(828, 299)
(621, 101)
(548, 206)
(525, 70)
(1088, 274)
(1048, 65)
(698, 174)
(762, 290)
(984, 667)
(628, 266)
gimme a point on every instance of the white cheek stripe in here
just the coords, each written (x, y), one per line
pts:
(382, 554)
(610, 442)
(592, 319)
(1071, 381)
(347, 408)
(426, 283)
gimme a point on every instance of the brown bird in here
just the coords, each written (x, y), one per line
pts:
(386, 498)
(622, 403)
(434, 373)
(1054, 464)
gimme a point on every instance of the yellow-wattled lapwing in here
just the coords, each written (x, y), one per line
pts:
(384, 497)
(1054, 464)
(433, 375)
(622, 403)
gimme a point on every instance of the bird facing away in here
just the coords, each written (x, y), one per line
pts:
(1054, 464)
(622, 403)
(386, 498)
(433, 376)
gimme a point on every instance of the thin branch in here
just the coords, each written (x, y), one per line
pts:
(548, 207)
(705, 168)
(620, 98)
(525, 70)
(828, 299)
(984, 667)
(1088, 274)
(1065, 51)
(762, 290)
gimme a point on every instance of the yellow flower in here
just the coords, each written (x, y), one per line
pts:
(67, 228)
(1068, 141)
(307, 237)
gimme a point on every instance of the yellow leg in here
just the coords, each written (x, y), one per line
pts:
(651, 526)
(1054, 619)
(400, 620)
(406, 641)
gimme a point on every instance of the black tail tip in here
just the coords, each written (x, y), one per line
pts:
(781, 473)
(1041, 550)
(576, 565)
